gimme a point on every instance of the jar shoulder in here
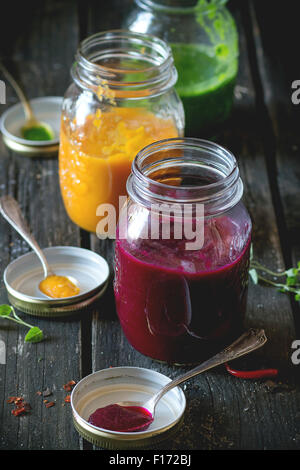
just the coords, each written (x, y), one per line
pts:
(215, 27)
(193, 246)
(79, 105)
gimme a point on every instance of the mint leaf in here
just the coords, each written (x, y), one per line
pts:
(292, 272)
(34, 335)
(5, 310)
(283, 289)
(253, 275)
(291, 281)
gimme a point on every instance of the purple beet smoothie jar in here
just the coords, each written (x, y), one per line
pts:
(182, 251)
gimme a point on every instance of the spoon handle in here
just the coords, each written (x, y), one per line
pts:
(27, 108)
(249, 341)
(11, 211)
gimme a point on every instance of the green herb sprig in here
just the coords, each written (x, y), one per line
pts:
(287, 281)
(34, 335)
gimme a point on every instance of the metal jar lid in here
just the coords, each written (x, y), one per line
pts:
(47, 109)
(23, 275)
(117, 384)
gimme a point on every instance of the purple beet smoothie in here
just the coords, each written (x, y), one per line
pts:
(181, 306)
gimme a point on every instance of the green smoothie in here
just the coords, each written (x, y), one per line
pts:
(206, 79)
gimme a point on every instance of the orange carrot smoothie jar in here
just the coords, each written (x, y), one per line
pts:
(122, 98)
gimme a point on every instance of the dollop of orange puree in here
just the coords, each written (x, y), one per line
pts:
(95, 158)
(58, 287)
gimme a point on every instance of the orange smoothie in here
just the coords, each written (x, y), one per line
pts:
(95, 158)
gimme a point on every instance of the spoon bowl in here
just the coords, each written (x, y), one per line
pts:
(36, 130)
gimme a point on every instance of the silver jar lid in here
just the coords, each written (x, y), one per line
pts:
(117, 384)
(23, 275)
(47, 109)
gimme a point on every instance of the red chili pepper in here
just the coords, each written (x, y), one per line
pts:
(69, 385)
(11, 399)
(252, 374)
(18, 411)
(49, 404)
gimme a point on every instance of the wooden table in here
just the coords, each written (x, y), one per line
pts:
(223, 412)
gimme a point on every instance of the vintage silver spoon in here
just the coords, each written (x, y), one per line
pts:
(32, 129)
(248, 342)
(11, 211)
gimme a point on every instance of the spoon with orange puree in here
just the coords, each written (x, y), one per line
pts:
(52, 285)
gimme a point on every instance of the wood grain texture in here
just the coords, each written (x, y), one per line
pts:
(246, 138)
(277, 69)
(222, 412)
(41, 64)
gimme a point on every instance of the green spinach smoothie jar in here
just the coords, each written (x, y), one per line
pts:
(204, 41)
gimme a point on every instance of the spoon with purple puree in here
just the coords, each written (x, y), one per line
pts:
(130, 416)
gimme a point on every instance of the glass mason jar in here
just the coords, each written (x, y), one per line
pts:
(182, 251)
(204, 41)
(122, 98)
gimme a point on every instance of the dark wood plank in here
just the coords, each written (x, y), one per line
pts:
(222, 412)
(40, 54)
(266, 307)
(245, 137)
(101, 16)
(277, 70)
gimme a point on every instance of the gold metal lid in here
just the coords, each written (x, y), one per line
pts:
(106, 441)
(47, 109)
(117, 384)
(29, 150)
(23, 275)
(46, 309)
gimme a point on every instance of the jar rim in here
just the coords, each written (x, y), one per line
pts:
(156, 72)
(197, 7)
(220, 195)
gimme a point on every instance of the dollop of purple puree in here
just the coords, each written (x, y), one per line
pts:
(121, 418)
